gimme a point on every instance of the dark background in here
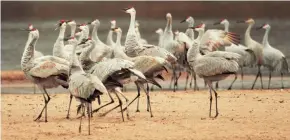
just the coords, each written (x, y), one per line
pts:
(148, 9)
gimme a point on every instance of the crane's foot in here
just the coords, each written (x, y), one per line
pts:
(39, 116)
(230, 88)
(137, 110)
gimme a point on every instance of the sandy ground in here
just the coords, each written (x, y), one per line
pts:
(244, 114)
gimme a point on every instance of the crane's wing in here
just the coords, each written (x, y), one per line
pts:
(37, 54)
(223, 54)
(209, 66)
(213, 39)
(150, 64)
(98, 84)
(159, 52)
(107, 67)
(48, 68)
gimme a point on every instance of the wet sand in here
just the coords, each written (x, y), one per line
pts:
(244, 114)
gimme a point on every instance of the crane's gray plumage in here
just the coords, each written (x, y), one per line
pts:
(46, 72)
(213, 66)
(273, 59)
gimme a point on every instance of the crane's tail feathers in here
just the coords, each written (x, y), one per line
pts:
(160, 77)
(252, 58)
(138, 73)
(152, 81)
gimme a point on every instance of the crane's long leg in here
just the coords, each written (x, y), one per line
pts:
(176, 82)
(34, 89)
(148, 103)
(216, 102)
(282, 81)
(242, 77)
(195, 82)
(190, 84)
(270, 76)
(70, 99)
(119, 105)
(217, 85)
(127, 101)
(89, 117)
(258, 74)
(137, 97)
(210, 97)
(186, 82)
(236, 77)
(112, 101)
(261, 79)
(172, 78)
(45, 105)
(83, 111)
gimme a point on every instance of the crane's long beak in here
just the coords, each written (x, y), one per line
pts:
(241, 21)
(125, 9)
(217, 23)
(259, 28)
(183, 21)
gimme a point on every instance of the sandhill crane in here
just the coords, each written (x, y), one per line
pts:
(256, 47)
(189, 32)
(134, 48)
(101, 50)
(114, 73)
(142, 40)
(150, 66)
(84, 87)
(159, 31)
(47, 71)
(110, 41)
(214, 66)
(273, 59)
(37, 54)
(247, 55)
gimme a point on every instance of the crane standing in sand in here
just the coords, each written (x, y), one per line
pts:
(273, 58)
(84, 87)
(213, 66)
(47, 71)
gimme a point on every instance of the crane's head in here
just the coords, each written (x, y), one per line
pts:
(117, 30)
(264, 26)
(159, 31)
(32, 31)
(168, 16)
(248, 21)
(199, 27)
(130, 10)
(95, 22)
(71, 22)
(222, 21)
(113, 24)
(188, 19)
(61, 23)
(82, 26)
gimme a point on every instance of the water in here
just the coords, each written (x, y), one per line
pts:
(13, 39)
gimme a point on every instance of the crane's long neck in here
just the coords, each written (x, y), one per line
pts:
(132, 24)
(74, 64)
(110, 38)
(227, 27)
(138, 33)
(200, 34)
(160, 39)
(28, 53)
(248, 37)
(59, 44)
(265, 38)
(190, 31)
(168, 27)
(118, 52)
(193, 52)
(95, 33)
(85, 56)
(73, 30)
